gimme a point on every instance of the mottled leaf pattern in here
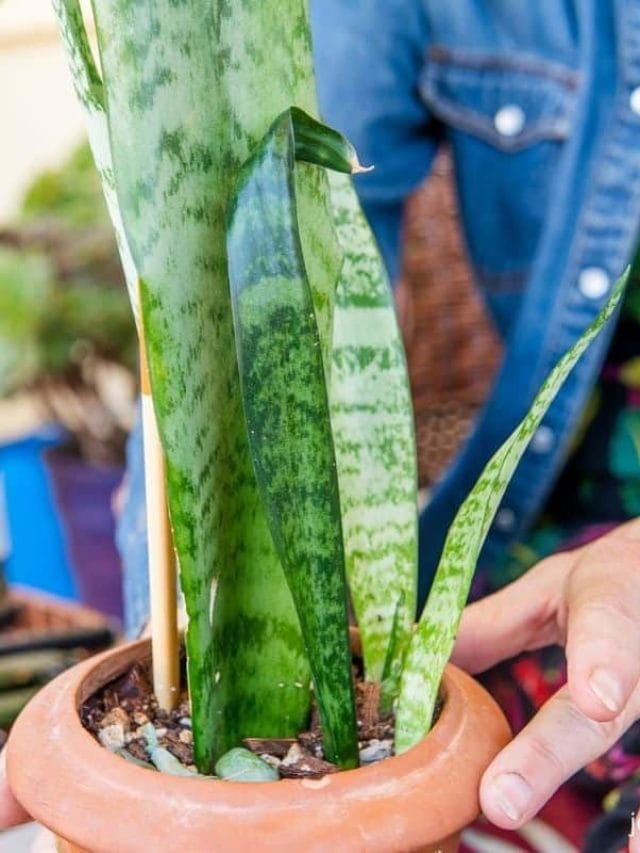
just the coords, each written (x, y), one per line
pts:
(287, 410)
(182, 119)
(90, 93)
(191, 89)
(372, 419)
(433, 639)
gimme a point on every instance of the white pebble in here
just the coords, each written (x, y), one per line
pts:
(112, 737)
(376, 751)
(293, 756)
(271, 759)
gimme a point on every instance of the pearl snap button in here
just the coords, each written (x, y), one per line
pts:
(509, 120)
(593, 282)
(505, 519)
(542, 440)
(634, 101)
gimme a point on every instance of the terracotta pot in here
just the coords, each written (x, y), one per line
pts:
(96, 801)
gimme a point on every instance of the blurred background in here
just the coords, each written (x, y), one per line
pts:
(67, 346)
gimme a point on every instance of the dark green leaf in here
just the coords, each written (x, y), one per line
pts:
(287, 410)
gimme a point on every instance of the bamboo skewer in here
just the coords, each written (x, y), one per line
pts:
(162, 566)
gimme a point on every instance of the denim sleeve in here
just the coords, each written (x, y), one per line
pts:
(368, 56)
(131, 537)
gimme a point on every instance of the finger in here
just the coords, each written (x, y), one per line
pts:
(559, 741)
(521, 617)
(603, 626)
(11, 812)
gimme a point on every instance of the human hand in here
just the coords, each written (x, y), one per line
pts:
(589, 601)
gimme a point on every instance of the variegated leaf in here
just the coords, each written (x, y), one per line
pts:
(191, 89)
(373, 429)
(285, 398)
(434, 637)
(90, 93)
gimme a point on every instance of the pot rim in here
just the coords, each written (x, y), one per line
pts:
(401, 803)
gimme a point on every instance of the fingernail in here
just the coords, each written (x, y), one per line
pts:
(511, 794)
(606, 685)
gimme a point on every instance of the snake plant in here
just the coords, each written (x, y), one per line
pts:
(277, 370)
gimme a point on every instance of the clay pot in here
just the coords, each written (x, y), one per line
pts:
(96, 801)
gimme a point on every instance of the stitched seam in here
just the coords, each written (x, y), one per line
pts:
(502, 62)
(466, 118)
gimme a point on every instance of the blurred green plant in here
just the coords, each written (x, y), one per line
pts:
(72, 195)
(64, 315)
(25, 287)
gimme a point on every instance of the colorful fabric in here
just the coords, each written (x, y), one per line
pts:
(601, 481)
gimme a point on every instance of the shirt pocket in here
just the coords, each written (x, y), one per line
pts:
(506, 118)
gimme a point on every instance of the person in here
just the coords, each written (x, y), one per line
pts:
(539, 104)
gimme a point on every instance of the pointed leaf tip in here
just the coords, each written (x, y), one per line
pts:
(356, 166)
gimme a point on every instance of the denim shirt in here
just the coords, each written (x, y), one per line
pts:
(540, 104)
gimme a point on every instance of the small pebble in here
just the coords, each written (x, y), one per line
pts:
(240, 765)
(117, 716)
(185, 721)
(161, 732)
(376, 751)
(168, 763)
(112, 737)
(293, 756)
(271, 759)
(185, 736)
(139, 718)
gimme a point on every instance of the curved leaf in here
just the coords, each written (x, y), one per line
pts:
(433, 640)
(287, 410)
(373, 428)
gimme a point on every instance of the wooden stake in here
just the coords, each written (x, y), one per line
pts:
(162, 565)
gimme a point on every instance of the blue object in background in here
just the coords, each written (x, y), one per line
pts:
(37, 551)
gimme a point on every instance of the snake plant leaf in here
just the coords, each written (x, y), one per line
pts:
(434, 637)
(287, 409)
(90, 93)
(373, 430)
(190, 90)
(396, 649)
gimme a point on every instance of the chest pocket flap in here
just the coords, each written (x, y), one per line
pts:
(510, 102)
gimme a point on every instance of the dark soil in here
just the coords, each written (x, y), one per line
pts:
(122, 708)
(117, 715)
